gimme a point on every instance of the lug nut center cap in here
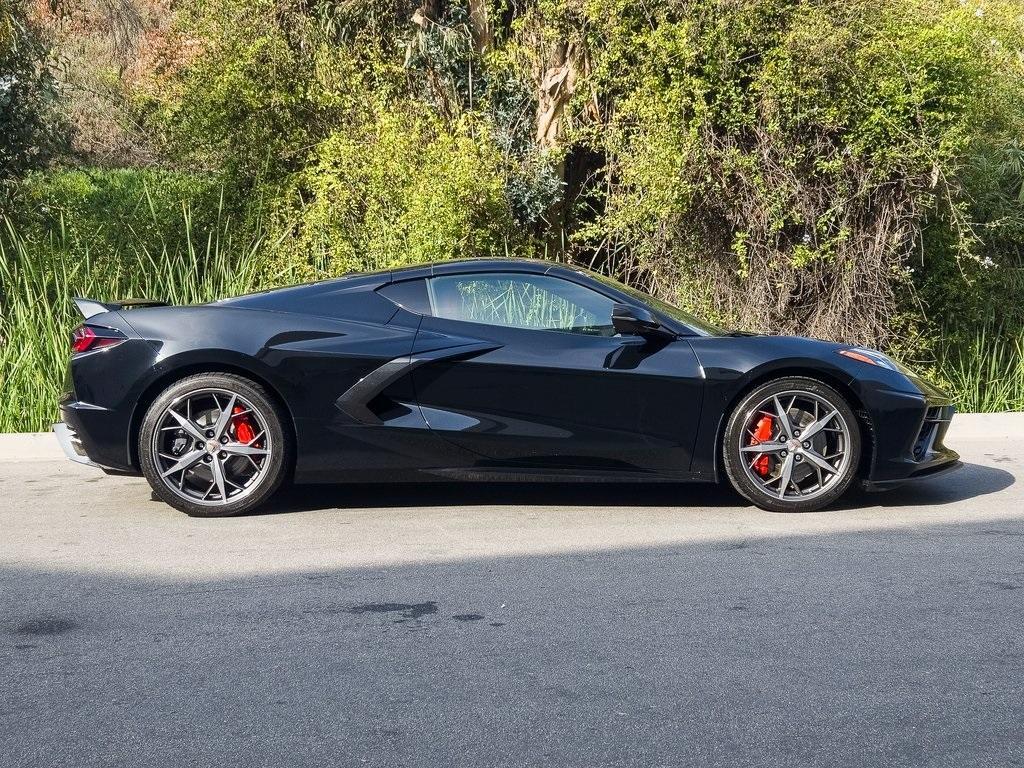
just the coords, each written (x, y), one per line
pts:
(793, 445)
(212, 446)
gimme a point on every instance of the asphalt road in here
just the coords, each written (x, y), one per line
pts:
(513, 626)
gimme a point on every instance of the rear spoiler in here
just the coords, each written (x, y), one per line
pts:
(90, 307)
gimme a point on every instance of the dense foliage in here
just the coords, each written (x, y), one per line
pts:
(850, 169)
(781, 161)
(27, 95)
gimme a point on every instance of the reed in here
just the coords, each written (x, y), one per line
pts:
(38, 278)
(985, 373)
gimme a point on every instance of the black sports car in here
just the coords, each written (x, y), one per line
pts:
(508, 368)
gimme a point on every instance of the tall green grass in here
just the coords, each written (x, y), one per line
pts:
(38, 278)
(39, 274)
(985, 373)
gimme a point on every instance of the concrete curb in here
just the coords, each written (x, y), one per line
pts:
(966, 428)
(978, 427)
(30, 446)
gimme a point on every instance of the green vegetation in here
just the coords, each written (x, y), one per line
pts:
(39, 277)
(849, 169)
(29, 126)
(986, 373)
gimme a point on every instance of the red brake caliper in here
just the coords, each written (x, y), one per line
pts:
(244, 433)
(762, 434)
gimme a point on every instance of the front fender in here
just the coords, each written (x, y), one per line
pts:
(735, 365)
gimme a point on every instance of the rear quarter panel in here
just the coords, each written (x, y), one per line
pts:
(306, 360)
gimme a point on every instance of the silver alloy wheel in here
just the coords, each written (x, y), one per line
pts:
(808, 448)
(203, 453)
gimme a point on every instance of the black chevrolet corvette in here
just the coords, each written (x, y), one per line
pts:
(482, 369)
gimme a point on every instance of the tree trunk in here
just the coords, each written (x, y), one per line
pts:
(429, 10)
(483, 33)
(555, 88)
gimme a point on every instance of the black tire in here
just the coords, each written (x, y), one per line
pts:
(267, 480)
(736, 435)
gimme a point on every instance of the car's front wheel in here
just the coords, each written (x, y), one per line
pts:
(214, 444)
(792, 445)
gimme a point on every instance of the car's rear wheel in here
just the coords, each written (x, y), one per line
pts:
(792, 445)
(214, 444)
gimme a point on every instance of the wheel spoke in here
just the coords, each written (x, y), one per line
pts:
(187, 424)
(243, 449)
(787, 475)
(229, 481)
(218, 477)
(183, 463)
(816, 427)
(224, 418)
(819, 461)
(783, 415)
(764, 448)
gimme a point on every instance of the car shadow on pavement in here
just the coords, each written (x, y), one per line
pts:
(475, 493)
(888, 648)
(971, 481)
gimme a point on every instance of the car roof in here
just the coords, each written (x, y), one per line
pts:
(462, 266)
(356, 280)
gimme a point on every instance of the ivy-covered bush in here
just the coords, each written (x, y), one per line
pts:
(849, 169)
(782, 163)
(397, 188)
(362, 143)
(829, 168)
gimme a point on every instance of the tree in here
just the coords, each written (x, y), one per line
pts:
(29, 127)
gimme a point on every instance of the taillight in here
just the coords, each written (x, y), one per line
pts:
(86, 339)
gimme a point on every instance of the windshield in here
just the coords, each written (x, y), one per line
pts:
(662, 307)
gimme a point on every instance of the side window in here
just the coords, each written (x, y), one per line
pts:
(408, 294)
(517, 300)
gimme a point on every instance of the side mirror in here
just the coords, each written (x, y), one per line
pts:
(637, 321)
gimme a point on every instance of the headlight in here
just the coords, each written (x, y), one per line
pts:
(872, 357)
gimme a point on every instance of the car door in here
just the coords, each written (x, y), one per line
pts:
(551, 385)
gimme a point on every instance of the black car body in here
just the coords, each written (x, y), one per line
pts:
(374, 385)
